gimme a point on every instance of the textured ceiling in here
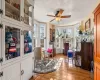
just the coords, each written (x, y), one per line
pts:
(78, 9)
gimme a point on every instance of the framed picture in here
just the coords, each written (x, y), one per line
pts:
(88, 24)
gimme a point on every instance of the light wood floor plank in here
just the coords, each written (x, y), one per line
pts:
(66, 72)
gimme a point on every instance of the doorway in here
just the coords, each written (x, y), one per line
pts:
(66, 48)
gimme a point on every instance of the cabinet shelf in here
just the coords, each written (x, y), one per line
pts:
(11, 8)
(26, 15)
(26, 3)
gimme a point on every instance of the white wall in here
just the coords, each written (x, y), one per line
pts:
(48, 35)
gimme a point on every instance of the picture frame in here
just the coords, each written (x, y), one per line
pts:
(87, 24)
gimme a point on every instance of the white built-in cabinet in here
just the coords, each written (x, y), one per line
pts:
(16, 56)
(16, 49)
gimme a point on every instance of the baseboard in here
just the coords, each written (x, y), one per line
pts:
(58, 53)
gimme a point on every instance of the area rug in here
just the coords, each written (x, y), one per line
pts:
(46, 66)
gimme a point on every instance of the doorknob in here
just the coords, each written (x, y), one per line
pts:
(22, 72)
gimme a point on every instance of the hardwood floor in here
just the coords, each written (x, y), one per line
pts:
(66, 72)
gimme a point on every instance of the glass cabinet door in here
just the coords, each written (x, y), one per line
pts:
(12, 9)
(27, 42)
(27, 13)
(0, 8)
(0, 40)
(12, 42)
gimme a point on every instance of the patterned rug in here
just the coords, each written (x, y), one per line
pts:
(46, 66)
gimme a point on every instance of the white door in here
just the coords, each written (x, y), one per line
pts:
(26, 68)
(12, 72)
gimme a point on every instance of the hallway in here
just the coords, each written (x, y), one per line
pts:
(66, 72)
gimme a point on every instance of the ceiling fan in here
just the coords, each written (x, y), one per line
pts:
(58, 16)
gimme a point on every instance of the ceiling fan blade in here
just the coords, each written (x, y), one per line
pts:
(51, 15)
(68, 16)
(60, 12)
(52, 20)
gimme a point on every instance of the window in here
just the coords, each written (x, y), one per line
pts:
(42, 34)
(69, 32)
(41, 31)
(34, 35)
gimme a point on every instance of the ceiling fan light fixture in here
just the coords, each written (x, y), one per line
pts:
(58, 19)
(58, 16)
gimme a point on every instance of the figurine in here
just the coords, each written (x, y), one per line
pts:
(9, 38)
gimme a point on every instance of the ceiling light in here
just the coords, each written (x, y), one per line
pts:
(58, 19)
